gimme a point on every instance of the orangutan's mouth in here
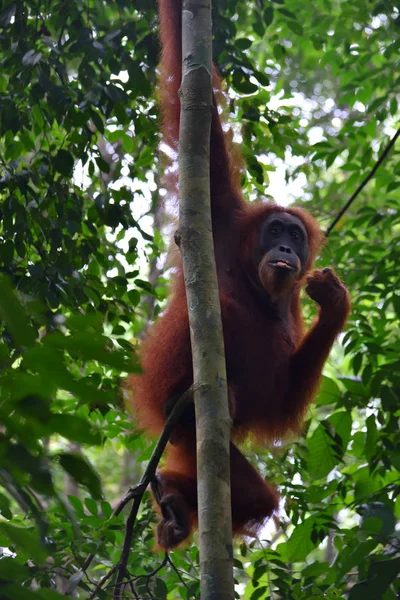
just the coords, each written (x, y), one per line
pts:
(282, 264)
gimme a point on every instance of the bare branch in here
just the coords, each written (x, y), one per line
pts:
(364, 182)
(136, 494)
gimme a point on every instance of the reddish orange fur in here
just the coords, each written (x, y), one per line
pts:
(273, 368)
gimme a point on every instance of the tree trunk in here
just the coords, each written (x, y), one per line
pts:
(196, 244)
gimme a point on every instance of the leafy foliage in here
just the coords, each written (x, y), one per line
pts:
(314, 92)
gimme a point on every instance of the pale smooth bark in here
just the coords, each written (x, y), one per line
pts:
(196, 243)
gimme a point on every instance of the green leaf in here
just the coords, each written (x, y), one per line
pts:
(245, 87)
(342, 423)
(145, 285)
(372, 437)
(98, 121)
(7, 252)
(160, 588)
(63, 162)
(365, 483)
(82, 472)
(16, 592)
(38, 118)
(279, 51)
(5, 507)
(380, 576)
(102, 164)
(76, 503)
(258, 28)
(91, 506)
(243, 43)
(106, 509)
(287, 13)
(300, 544)
(268, 15)
(322, 457)
(134, 297)
(128, 143)
(394, 185)
(47, 594)
(11, 570)
(316, 569)
(329, 392)
(296, 27)
(14, 315)
(260, 592)
(75, 428)
(380, 512)
(91, 347)
(25, 540)
(353, 556)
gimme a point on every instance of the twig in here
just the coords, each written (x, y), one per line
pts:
(364, 182)
(136, 494)
(148, 476)
(175, 568)
(165, 561)
(134, 593)
(102, 581)
(27, 501)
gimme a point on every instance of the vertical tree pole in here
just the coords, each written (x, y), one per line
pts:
(196, 243)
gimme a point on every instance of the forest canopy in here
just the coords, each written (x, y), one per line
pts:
(85, 261)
